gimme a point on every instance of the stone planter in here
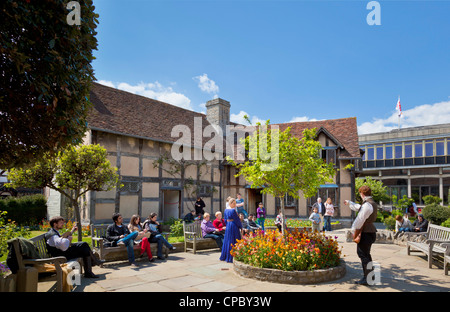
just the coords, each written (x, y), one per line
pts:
(290, 277)
(8, 283)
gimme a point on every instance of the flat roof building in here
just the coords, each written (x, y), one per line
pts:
(411, 161)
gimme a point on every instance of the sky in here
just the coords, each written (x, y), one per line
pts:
(283, 60)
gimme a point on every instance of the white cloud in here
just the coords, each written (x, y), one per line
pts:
(422, 115)
(302, 119)
(239, 119)
(207, 85)
(154, 91)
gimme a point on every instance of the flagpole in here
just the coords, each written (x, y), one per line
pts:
(398, 114)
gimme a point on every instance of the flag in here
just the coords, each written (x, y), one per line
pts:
(399, 107)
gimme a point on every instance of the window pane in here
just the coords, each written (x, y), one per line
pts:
(448, 146)
(418, 149)
(408, 150)
(398, 151)
(429, 148)
(440, 148)
(379, 151)
(370, 152)
(388, 151)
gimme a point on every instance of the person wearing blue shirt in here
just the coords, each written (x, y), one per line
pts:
(240, 206)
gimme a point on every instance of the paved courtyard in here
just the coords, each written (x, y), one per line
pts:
(203, 272)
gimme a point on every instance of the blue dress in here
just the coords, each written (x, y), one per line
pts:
(232, 233)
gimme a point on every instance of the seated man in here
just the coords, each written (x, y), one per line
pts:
(209, 231)
(420, 225)
(61, 245)
(118, 233)
(244, 222)
(190, 217)
(252, 226)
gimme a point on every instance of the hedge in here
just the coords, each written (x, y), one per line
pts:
(25, 210)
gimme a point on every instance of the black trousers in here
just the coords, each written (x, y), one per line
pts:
(76, 250)
(363, 250)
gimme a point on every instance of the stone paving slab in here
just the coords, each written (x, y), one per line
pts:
(203, 272)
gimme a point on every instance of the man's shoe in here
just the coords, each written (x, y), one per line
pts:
(90, 275)
(362, 281)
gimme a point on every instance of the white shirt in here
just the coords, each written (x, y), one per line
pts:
(59, 242)
(364, 212)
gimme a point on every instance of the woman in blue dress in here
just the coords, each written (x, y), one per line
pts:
(232, 230)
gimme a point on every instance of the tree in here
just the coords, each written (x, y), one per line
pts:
(283, 164)
(73, 173)
(379, 191)
(45, 78)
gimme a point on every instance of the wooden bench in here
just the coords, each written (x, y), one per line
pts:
(431, 242)
(446, 258)
(98, 234)
(193, 235)
(24, 280)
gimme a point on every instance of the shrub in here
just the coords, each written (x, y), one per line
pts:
(8, 230)
(300, 250)
(430, 199)
(389, 222)
(25, 210)
(446, 223)
(176, 229)
(435, 213)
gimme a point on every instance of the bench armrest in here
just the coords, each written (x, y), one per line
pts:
(192, 233)
(434, 241)
(59, 260)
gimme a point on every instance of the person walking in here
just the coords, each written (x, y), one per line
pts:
(232, 231)
(364, 231)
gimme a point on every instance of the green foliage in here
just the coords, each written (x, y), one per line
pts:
(379, 191)
(45, 78)
(389, 222)
(446, 223)
(8, 230)
(176, 229)
(26, 210)
(430, 199)
(435, 213)
(284, 164)
(73, 172)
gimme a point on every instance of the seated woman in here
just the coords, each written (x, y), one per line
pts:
(153, 226)
(142, 237)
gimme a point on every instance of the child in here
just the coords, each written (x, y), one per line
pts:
(315, 218)
(261, 215)
(279, 220)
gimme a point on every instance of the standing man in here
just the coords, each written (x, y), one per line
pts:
(118, 233)
(320, 210)
(364, 231)
(240, 206)
(61, 245)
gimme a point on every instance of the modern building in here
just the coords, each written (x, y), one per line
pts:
(141, 134)
(411, 161)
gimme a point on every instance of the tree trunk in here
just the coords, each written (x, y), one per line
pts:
(283, 217)
(76, 209)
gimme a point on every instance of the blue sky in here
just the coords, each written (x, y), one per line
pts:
(282, 60)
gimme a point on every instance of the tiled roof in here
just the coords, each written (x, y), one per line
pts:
(126, 113)
(344, 130)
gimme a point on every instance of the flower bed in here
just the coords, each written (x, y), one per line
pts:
(300, 250)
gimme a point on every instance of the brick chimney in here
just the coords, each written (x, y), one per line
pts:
(218, 113)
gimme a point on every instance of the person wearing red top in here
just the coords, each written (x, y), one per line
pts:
(218, 223)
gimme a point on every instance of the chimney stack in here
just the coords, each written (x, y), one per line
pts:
(218, 113)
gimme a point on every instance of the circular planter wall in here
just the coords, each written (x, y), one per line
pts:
(290, 277)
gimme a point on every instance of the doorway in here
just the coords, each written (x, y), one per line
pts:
(171, 204)
(254, 198)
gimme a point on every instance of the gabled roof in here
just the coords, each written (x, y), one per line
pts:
(343, 132)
